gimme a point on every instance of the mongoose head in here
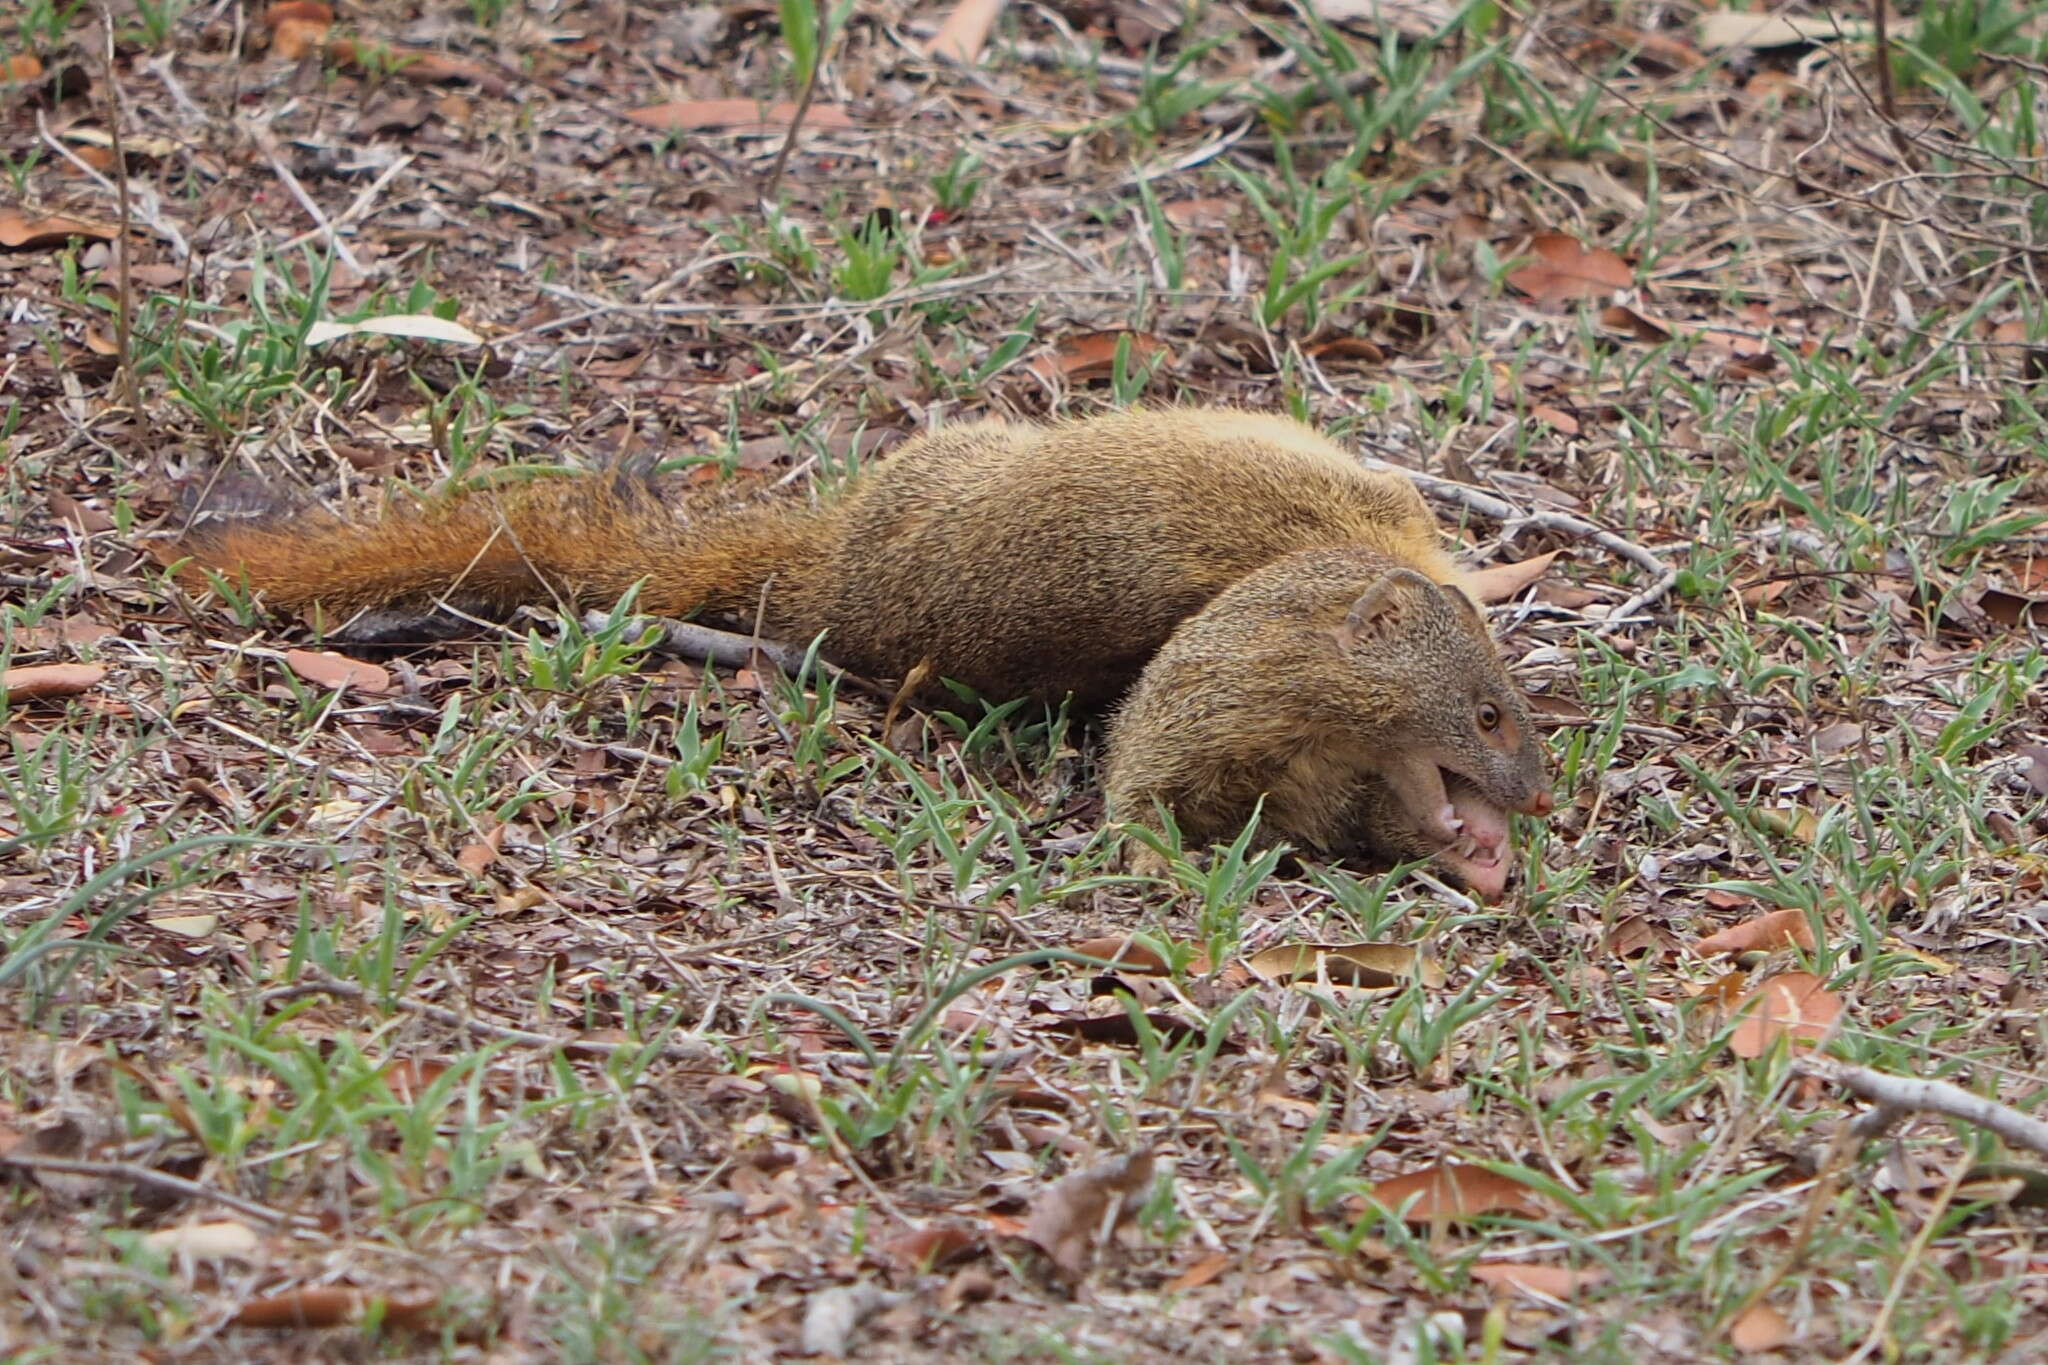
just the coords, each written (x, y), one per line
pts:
(1456, 750)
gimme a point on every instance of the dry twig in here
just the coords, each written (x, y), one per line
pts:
(1898, 1096)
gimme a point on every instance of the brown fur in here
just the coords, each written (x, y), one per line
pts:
(1363, 710)
(1020, 560)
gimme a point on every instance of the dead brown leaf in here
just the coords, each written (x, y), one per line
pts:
(20, 67)
(324, 668)
(1790, 1003)
(1764, 934)
(1360, 350)
(1620, 318)
(480, 854)
(20, 233)
(1126, 952)
(330, 1306)
(1636, 935)
(1118, 1030)
(303, 11)
(1200, 1273)
(1203, 213)
(1500, 582)
(408, 1079)
(965, 30)
(1760, 1328)
(298, 27)
(1092, 355)
(1565, 269)
(1066, 1217)
(739, 114)
(1550, 1281)
(1370, 966)
(46, 682)
(1452, 1192)
(1555, 417)
(925, 1249)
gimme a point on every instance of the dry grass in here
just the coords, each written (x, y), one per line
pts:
(544, 1000)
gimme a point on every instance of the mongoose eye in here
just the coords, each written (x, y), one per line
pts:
(1489, 716)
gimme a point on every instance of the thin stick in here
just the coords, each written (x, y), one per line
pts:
(803, 106)
(1514, 520)
(1887, 99)
(323, 228)
(131, 388)
(1897, 1096)
(327, 985)
(138, 1174)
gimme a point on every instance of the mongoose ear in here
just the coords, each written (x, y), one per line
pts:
(1462, 597)
(1377, 612)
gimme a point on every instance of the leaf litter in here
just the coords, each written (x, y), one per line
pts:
(522, 972)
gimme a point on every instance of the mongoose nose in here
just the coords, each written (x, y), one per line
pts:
(1542, 803)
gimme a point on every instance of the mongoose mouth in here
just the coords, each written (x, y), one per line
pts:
(1475, 830)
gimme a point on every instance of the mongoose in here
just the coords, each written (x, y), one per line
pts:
(1049, 561)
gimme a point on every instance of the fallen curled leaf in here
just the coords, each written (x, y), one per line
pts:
(1369, 966)
(20, 67)
(743, 114)
(302, 11)
(1673, 52)
(1618, 318)
(2011, 610)
(296, 39)
(1452, 1192)
(1795, 822)
(157, 276)
(414, 63)
(1065, 1218)
(84, 517)
(474, 858)
(2005, 1182)
(1218, 212)
(19, 233)
(1362, 350)
(925, 1249)
(326, 669)
(1791, 1003)
(1760, 1328)
(1551, 1281)
(1499, 582)
(1764, 934)
(330, 1306)
(186, 926)
(1636, 935)
(1556, 418)
(1566, 269)
(1200, 1273)
(1126, 952)
(1119, 1030)
(45, 682)
(419, 326)
(1092, 355)
(408, 1079)
(1728, 28)
(965, 31)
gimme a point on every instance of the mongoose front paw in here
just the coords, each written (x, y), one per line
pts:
(1142, 861)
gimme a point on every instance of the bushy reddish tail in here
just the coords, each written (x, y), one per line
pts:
(578, 540)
